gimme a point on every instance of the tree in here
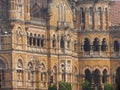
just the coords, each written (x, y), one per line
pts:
(108, 87)
(65, 86)
(52, 87)
(86, 85)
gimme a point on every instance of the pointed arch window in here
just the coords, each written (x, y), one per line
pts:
(38, 40)
(34, 40)
(116, 46)
(54, 41)
(105, 75)
(104, 45)
(30, 39)
(96, 45)
(62, 42)
(82, 18)
(106, 17)
(99, 17)
(88, 75)
(87, 46)
(91, 17)
(2, 73)
(42, 41)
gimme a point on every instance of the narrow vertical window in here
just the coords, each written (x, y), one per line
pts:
(82, 18)
(91, 18)
(99, 17)
(34, 40)
(42, 41)
(38, 40)
(30, 39)
(96, 45)
(62, 42)
(104, 45)
(87, 46)
(54, 41)
(106, 17)
(116, 46)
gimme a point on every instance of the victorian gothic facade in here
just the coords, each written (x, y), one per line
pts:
(46, 41)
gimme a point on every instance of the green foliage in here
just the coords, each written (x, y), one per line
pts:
(65, 86)
(52, 87)
(108, 87)
(86, 85)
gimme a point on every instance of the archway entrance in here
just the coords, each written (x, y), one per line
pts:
(117, 78)
(2, 73)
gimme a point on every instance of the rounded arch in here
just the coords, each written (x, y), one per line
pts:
(88, 75)
(3, 60)
(87, 46)
(105, 68)
(96, 44)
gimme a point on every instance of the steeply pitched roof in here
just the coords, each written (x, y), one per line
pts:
(115, 13)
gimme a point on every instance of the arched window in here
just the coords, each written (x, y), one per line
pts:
(30, 39)
(88, 75)
(106, 17)
(42, 41)
(91, 18)
(96, 45)
(82, 18)
(116, 46)
(30, 74)
(54, 41)
(2, 73)
(87, 46)
(62, 42)
(62, 66)
(96, 77)
(104, 77)
(99, 17)
(19, 73)
(117, 78)
(38, 40)
(104, 45)
(34, 40)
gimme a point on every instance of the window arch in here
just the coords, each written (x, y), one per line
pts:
(34, 40)
(116, 46)
(88, 75)
(2, 72)
(19, 72)
(87, 46)
(82, 18)
(104, 45)
(62, 42)
(104, 77)
(38, 40)
(99, 17)
(54, 41)
(96, 76)
(91, 18)
(42, 41)
(96, 44)
(30, 39)
(106, 17)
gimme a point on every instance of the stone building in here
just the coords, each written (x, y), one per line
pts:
(46, 41)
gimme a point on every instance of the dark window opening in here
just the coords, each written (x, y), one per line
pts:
(96, 45)
(104, 45)
(62, 42)
(116, 46)
(87, 46)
